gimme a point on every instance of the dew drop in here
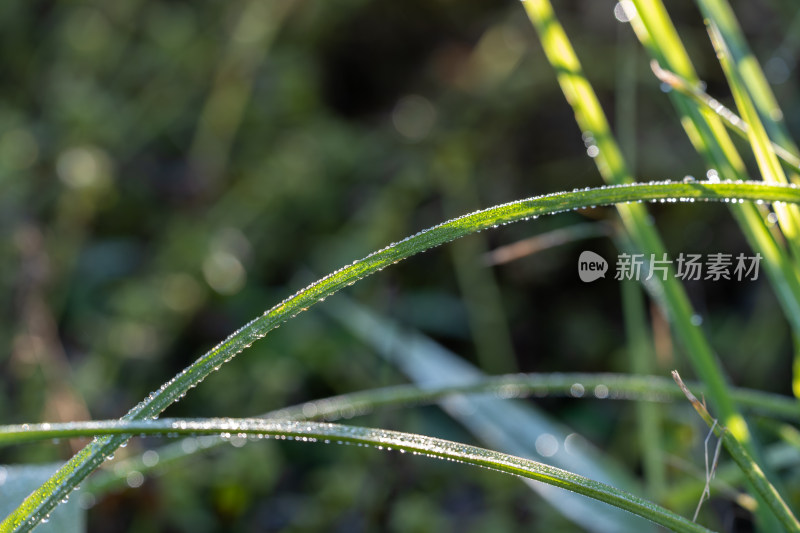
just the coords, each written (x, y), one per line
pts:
(625, 11)
(601, 391)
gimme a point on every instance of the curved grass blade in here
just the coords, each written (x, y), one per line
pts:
(562, 384)
(58, 487)
(507, 426)
(379, 438)
(600, 386)
(768, 164)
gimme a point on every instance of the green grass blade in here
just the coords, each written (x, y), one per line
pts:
(704, 127)
(719, 12)
(627, 387)
(44, 499)
(768, 164)
(669, 294)
(788, 215)
(731, 119)
(577, 90)
(746, 463)
(590, 117)
(641, 388)
(19, 480)
(601, 386)
(686, 493)
(656, 32)
(380, 439)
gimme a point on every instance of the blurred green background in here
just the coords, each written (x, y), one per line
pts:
(171, 169)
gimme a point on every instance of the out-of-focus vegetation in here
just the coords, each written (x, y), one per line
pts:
(168, 170)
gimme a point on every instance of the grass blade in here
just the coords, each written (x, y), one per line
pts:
(755, 82)
(788, 215)
(543, 241)
(745, 461)
(44, 499)
(707, 133)
(590, 117)
(381, 439)
(768, 164)
(17, 481)
(656, 32)
(731, 119)
(640, 388)
(669, 294)
(629, 387)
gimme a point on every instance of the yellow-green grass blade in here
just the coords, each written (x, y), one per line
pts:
(732, 120)
(670, 294)
(768, 164)
(720, 13)
(656, 32)
(706, 131)
(771, 170)
(590, 118)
